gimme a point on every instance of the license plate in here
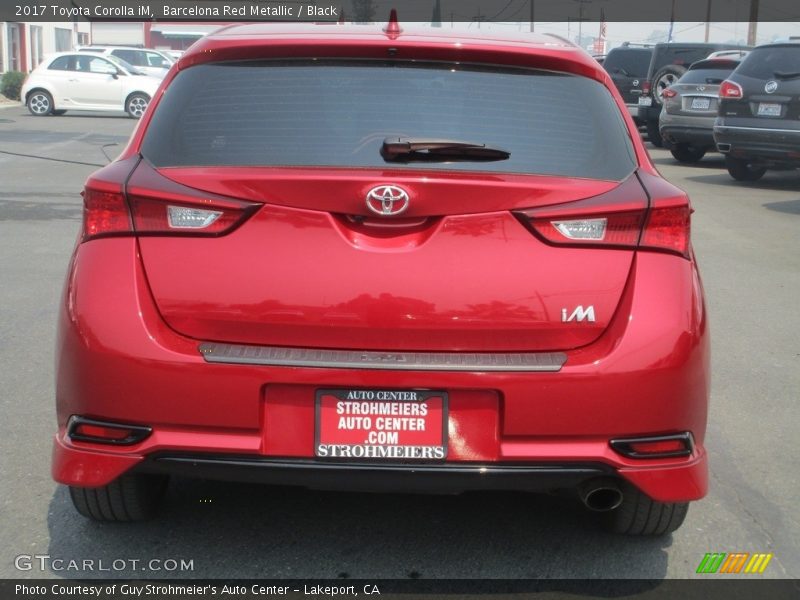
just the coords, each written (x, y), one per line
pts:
(645, 101)
(769, 109)
(701, 103)
(377, 424)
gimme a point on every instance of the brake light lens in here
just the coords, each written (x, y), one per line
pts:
(646, 88)
(208, 218)
(668, 228)
(731, 90)
(618, 219)
(104, 213)
(669, 93)
(107, 213)
(611, 229)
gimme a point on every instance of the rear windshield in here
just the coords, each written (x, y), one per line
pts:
(338, 113)
(709, 76)
(632, 62)
(768, 63)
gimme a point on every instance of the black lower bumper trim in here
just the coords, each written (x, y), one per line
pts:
(378, 477)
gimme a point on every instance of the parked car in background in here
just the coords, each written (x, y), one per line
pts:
(690, 108)
(758, 125)
(627, 65)
(670, 60)
(408, 274)
(87, 81)
(150, 62)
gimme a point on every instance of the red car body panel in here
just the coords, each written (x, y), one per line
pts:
(136, 308)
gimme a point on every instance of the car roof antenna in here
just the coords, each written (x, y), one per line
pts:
(393, 28)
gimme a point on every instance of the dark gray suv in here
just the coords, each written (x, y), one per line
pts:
(758, 126)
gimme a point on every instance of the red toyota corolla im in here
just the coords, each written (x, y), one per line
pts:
(349, 257)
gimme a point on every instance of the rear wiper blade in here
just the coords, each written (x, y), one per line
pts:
(787, 75)
(437, 150)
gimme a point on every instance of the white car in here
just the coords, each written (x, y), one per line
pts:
(87, 81)
(148, 61)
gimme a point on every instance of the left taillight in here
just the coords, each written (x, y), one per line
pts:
(108, 212)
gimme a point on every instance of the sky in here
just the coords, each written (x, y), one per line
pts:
(617, 33)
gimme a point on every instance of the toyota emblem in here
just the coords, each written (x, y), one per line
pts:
(387, 200)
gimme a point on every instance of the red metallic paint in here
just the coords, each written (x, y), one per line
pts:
(642, 369)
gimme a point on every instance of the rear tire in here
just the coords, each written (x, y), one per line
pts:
(641, 515)
(687, 154)
(654, 135)
(40, 103)
(742, 170)
(133, 497)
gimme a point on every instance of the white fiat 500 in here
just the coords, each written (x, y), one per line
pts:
(87, 81)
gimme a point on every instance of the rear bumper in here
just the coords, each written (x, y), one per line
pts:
(695, 131)
(633, 111)
(670, 483)
(648, 114)
(768, 145)
(646, 375)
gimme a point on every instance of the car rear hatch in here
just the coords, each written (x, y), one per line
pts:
(696, 93)
(768, 94)
(338, 222)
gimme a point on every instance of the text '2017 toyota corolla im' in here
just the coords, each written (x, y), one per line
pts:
(351, 257)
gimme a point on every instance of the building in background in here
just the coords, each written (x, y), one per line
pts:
(161, 36)
(23, 45)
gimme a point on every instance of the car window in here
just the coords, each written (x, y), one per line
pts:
(682, 56)
(133, 57)
(632, 61)
(764, 63)
(156, 60)
(94, 64)
(60, 64)
(338, 113)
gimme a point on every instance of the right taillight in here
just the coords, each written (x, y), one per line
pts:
(615, 220)
(730, 90)
(160, 207)
(669, 93)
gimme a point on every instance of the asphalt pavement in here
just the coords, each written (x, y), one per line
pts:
(747, 239)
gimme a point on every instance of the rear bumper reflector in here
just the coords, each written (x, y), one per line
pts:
(392, 361)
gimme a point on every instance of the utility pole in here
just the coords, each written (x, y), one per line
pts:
(580, 20)
(753, 26)
(708, 18)
(532, 2)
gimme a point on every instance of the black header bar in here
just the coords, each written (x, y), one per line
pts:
(422, 11)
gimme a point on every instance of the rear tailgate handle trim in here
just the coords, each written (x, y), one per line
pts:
(276, 356)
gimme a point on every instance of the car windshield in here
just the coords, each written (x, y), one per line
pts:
(340, 113)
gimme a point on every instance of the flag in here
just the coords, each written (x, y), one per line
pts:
(602, 25)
